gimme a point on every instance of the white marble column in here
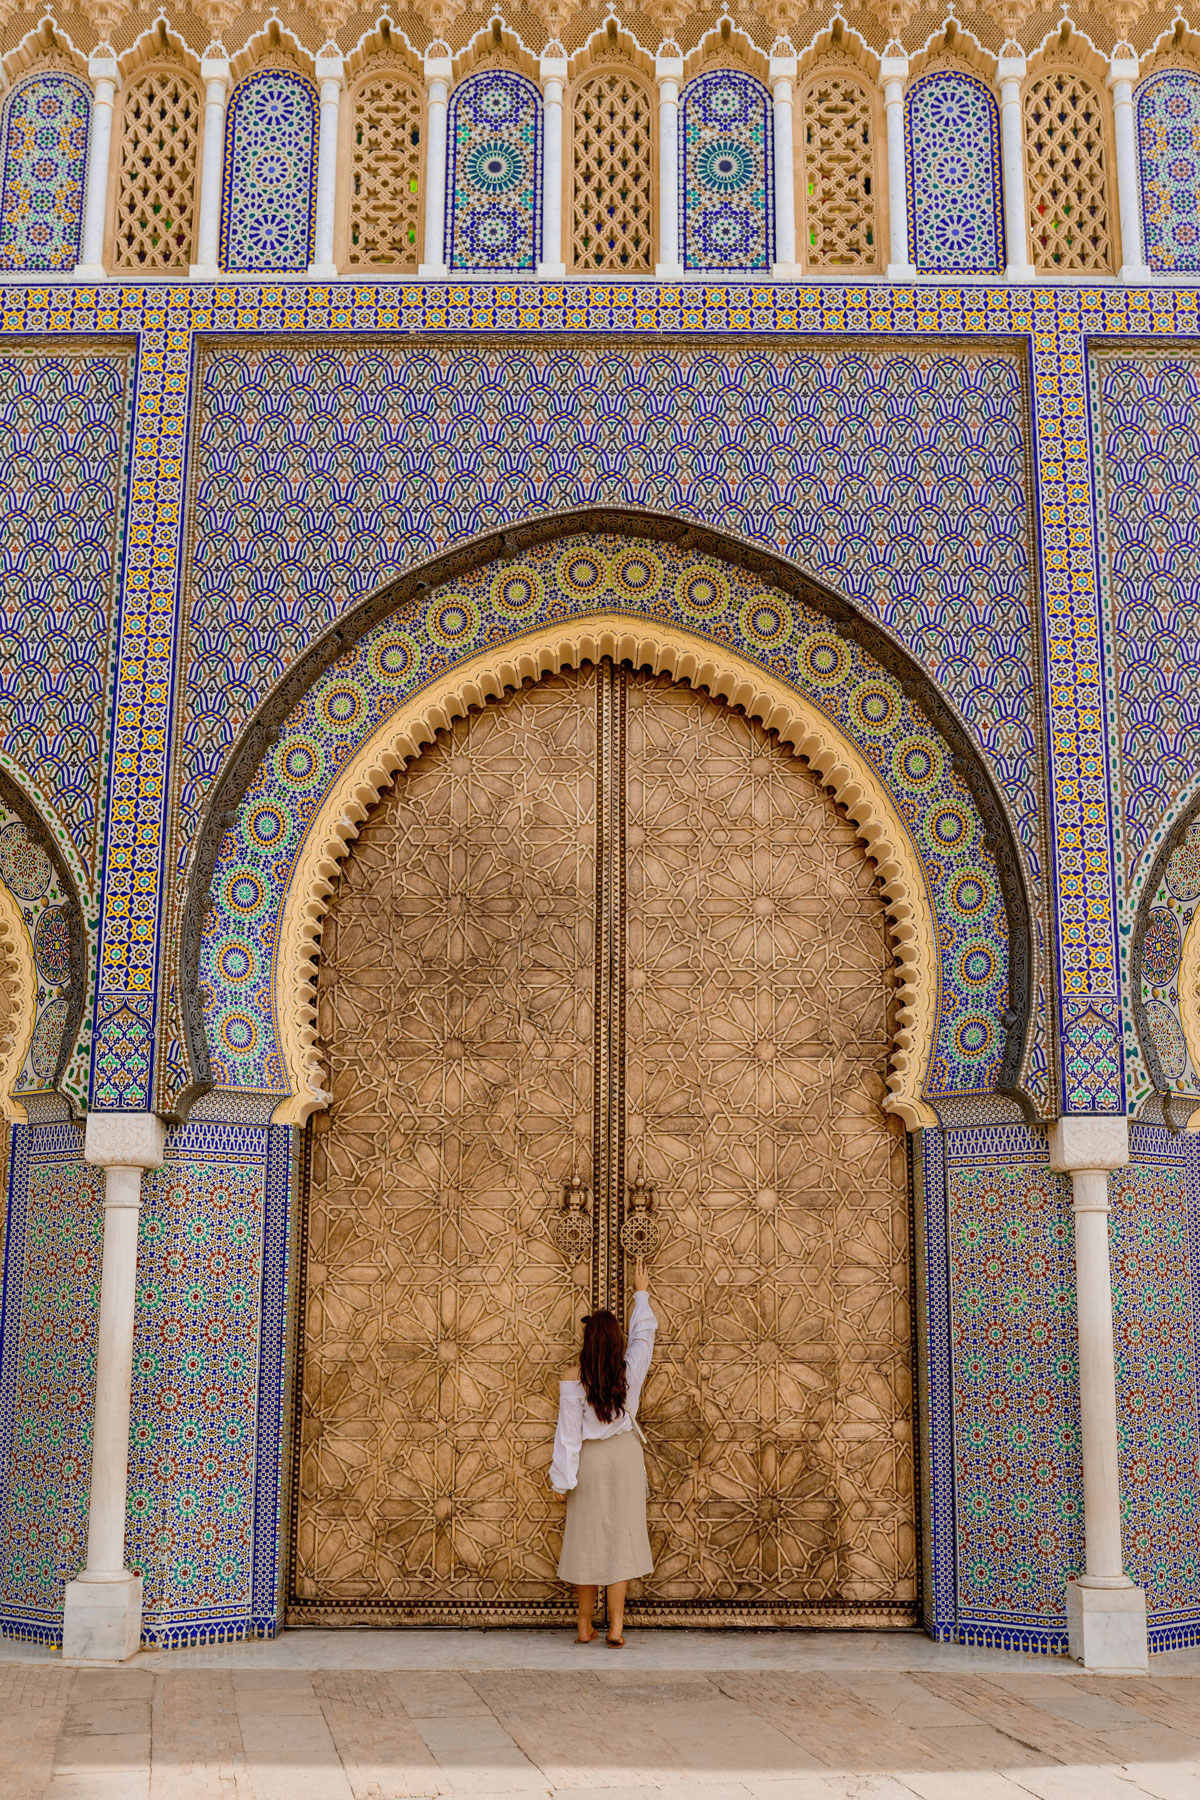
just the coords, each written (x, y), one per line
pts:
(438, 71)
(102, 71)
(782, 76)
(1122, 73)
(102, 1619)
(331, 79)
(893, 73)
(668, 72)
(553, 71)
(214, 72)
(1010, 73)
(1106, 1612)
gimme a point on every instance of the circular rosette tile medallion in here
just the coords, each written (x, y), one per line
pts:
(1168, 1039)
(766, 623)
(390, 659)
(874, 709)
(47, 1039)
(638, 575)
(24, 865)
(453, 622)
(824, 658)
(518, 594)
(916, 763)
(1160, 949)
(701, 592)
(52, 946)
(1183, 866)
(582, 575)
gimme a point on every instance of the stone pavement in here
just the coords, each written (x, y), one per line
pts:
(729, 1716)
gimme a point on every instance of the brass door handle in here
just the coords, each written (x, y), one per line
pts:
(571, 1226)
(641, 1232)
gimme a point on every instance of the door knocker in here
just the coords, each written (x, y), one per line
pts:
(641, 1232)
(571, 1226)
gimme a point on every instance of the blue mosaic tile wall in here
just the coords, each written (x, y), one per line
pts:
(268, 193)
(46, 122)
(64, 447)
(952, 157)
(1168, 126)
(209, 1371)
(47, 1373)
(1155, 1237)
(726, 173)
(494, 173)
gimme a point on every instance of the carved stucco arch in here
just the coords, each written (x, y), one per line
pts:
(728, 675)
(666, 651)
(18, 1001)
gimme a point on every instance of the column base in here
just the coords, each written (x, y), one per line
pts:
(901, 272)
(89, 272)
(668, 272)
(1106, 1628)
(1020, 272)
(322, 271)
(1135, 272)
(102, 1620)
(552, 271)
(204, 272)
(432, 272)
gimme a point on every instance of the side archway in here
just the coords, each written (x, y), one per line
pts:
(660, 594)
(1164, 971)
(42, 964)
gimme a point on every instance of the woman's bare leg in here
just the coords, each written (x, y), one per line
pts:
(587, 1598)
(616, 1609)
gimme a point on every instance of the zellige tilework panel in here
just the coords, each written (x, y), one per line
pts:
(51, 1308)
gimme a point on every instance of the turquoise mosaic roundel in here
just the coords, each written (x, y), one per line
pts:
(725, 166)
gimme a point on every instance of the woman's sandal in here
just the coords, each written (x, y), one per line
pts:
(587, 1640)
(615, 1643)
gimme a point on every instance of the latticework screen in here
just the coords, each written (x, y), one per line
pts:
(841, 215)
(156, 185)
(385, 175)
(1068, 178)
(612, 181)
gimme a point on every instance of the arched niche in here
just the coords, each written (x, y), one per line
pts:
(767, 640)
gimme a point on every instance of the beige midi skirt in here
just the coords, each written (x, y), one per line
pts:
(604, 1538)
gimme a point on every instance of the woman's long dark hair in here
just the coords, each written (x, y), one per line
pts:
(602, 1365)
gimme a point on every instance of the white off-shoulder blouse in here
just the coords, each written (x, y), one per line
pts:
(577, 1421)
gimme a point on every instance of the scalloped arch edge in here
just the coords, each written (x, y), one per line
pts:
(797, 722)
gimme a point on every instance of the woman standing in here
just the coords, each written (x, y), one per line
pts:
(598, 1464)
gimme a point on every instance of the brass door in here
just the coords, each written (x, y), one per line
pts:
(605, 925)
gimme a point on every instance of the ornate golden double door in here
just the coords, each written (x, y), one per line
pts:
(608, 926)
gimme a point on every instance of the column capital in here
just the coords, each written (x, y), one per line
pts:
(102, 65)
(438, 63)
(893, 68)
(1122, 67)
(330, 67)
(214, 68)
(668, 66)
(124, 1140)
(1011, 67)
(553, 64)
(782, 66)
(1089, 1142)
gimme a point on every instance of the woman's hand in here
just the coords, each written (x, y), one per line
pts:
(556, 1493)
(641, 1281)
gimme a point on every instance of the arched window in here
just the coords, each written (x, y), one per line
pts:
(1066, 164)
(1168, 121)
(612, 174)
(494, 173)
(840, 182)
(384, 212)
(952, 143)
(155, 207)
(270, 157)
(45, 162)
(727, 173)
